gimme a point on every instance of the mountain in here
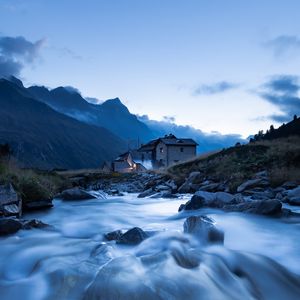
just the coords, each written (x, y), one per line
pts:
(112, 114)
(44, 138)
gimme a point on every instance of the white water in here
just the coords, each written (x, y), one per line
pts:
(74, 262)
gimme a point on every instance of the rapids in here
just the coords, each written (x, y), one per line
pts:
(260, 258)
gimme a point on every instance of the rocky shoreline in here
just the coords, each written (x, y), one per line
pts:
(255, 196)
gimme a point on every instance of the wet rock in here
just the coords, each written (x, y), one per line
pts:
(288, 185)
(161, 188)
(10, 203)
(294, 196)
(260, 207)
(204, 229)
(114, 235)
(38, 205)
(9, 226)
(206, 199)
(76, 194)
(257, 182)
(30, 224)
(212, 187)
(147, 193)
(191, 184)
(133, 236)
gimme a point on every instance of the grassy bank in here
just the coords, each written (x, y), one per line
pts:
(280, 157)
(31, 185)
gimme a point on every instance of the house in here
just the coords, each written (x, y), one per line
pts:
(169, 150)
(124, 163)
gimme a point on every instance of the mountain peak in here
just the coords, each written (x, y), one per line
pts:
(15, 80)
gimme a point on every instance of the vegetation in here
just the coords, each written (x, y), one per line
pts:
(280, 157)
(31, 185)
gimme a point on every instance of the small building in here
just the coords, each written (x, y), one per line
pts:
(169, 150)
(124, 163)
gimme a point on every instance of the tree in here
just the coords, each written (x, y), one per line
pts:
(5, 151)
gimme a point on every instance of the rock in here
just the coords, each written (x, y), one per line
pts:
(133, 236)
(38, 205)
(146, 193)
(76, 194)
(195, 177)
(204, 229)
(172, 185)
(294, 196)
(185, 188)
(161, 188)
(191, 184)
(212, 187)
(114, 235)
(288, 185)
(35, 224)
(10, 203)
(166, 195)
(260, 207)
(252, 183)
(9, 226)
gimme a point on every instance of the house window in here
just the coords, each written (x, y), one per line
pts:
(161, 150)
(181, 149)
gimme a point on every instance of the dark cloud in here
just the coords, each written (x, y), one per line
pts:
(9, 67)
(15, 52)
(207, 141)
(215, 88)
(170, 119)
(282, 91)
(284, 44)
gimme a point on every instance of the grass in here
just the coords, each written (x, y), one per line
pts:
(280, 157)
(31, 185)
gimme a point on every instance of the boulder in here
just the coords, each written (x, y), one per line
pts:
(76, 194)
(206, 199)
(30, 224)
(294, 196)
(260, 207)
(10, 203)
(162, 187)
(38, 205)
(257, 182)
(114, 235)
(133, 236)
(211, 187)
(146, 193)
(191, 184)
(288, 185)
(9, 226)
(204, 229)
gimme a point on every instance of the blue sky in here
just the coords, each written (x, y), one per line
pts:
(212, 64)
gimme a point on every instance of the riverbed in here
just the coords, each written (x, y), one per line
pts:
(260, 258)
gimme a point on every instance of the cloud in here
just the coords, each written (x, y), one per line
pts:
(284, 44)
(207, 141)
(93, 100)
(283, 92)
(15, 52)
(215, 88)
(72, 89)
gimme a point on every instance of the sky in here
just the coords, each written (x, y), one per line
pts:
(227, 66)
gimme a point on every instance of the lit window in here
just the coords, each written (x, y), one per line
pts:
(161, 150)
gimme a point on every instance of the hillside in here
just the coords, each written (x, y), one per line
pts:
(280, 158)
(112, 114)
(43, 138)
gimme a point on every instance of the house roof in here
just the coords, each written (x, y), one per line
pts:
(169, 140)
(123, 157)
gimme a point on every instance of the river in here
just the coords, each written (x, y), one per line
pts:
(260, 258)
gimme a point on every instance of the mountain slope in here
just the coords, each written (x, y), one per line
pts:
(111, 114)
(43, 138)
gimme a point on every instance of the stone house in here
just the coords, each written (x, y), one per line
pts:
(169, 150)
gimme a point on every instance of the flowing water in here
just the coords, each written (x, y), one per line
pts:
(260, 258)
